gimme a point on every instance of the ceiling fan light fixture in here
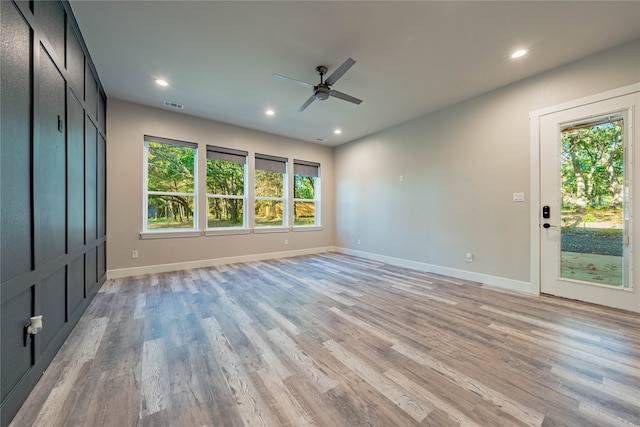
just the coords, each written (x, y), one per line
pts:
(322, 93)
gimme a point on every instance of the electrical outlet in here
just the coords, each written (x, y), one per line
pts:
(358, 241)
(134, 254)
(286, 241)
(469, 258)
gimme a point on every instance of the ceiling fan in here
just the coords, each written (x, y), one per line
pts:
(322, 90)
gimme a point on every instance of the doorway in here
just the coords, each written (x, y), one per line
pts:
(584, 220)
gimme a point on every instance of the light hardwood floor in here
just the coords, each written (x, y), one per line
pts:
(332, 340)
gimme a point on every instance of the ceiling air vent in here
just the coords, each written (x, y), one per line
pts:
(173, 105)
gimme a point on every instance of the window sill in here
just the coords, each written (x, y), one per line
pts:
(226, 231)
(265, 230)
(307, 228)
(169, 234)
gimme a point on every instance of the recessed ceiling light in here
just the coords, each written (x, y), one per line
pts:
(161, 82)
(270, 112)
(337, 131)
(519, 53)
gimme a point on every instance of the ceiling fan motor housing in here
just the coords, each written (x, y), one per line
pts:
(322, 92)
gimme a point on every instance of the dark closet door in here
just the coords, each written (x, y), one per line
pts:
(50, 164)
(15, 193)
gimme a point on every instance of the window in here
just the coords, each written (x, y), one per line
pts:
(306, 193)
(226, 194)
(270, 191)
(170, 184)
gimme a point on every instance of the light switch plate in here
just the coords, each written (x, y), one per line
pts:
(518, 197)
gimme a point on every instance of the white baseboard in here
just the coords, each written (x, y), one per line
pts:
(485, 279)
(164, 268)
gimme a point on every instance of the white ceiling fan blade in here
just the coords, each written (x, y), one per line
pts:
(289, 79)
(345, 97)
(306, 103)
(340, 71)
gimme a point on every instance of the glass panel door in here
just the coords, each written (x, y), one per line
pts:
(587, 195)
(593, 202)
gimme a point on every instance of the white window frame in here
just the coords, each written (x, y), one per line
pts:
(156, 233)
(284, 199)
(221, 153)
(312, 169)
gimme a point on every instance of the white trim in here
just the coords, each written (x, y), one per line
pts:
(267, 229)
(169, 234)
(170, 193)
(534, 205)
(306, 228)
(145, 186)
(226, 231)
(534, 169)
(613, 93)
(163, 268)
(485, 279)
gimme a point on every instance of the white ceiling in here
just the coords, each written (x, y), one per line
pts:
(412, 57)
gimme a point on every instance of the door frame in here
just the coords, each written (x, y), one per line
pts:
(535, 189)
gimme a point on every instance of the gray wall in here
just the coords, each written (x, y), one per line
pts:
(461, 166)
(52, 175)
(128, 123)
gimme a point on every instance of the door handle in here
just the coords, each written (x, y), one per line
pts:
(546, 214)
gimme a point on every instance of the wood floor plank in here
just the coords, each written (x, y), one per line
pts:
(253, 410)
(291, 409)
(334, 340)
(404, 399)
(520, 412)
(305, 363)
(155, 383)
(452, 413)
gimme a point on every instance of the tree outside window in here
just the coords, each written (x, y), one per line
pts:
(170, 184)
(226, 201)
(306, 190)
(270, 191)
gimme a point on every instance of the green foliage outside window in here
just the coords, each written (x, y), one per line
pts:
(304, 213)
(226, 179)
(269, 184)
(593, 166)
(269, 212)
(304, 187)
(171, 180)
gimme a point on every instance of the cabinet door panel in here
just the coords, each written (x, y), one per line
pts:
(75, 63)
(49, 164)
(90, 165)
(75, 283)
(75, 173)
(15, 150)
(16, 358)
(51, 18)
(53, 291)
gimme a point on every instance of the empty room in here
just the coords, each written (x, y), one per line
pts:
(319, 213)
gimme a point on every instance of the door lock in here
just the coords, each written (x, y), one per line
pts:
(546, 214)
